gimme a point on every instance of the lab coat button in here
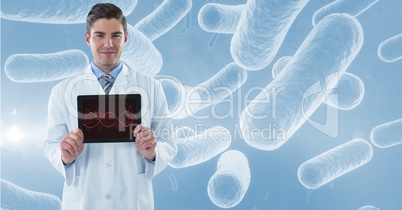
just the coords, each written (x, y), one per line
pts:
(108, 165)
(108, 196)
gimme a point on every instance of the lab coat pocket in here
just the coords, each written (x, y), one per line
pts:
(77, 183)
(72, 196)
(145, 193)
(72, 174)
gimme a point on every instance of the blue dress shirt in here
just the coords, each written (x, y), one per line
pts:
(98, 73)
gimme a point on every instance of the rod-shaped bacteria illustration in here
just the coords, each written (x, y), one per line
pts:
(45, 67)
(140, 54)
(163, 18)
(347, 94)
(56, 12)
(368, 207)
(289, 100)
(334, 163)
(223, 84)
(387, 135)
(230, 182)
(14, 197)
(351, 7)
(220, 18)
(390, 49)
(201, 147)
(261, 30)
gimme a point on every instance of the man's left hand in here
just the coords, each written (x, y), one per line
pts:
(145, 141)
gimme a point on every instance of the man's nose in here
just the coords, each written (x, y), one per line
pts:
(108, 42)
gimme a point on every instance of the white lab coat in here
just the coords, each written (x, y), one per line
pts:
(110, 176)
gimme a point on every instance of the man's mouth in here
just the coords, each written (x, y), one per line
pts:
(107, 52)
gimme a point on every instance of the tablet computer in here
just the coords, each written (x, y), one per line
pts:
(108, 118)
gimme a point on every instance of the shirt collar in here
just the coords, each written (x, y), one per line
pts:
(98, 72)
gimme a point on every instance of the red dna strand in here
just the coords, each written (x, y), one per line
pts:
(98, 119)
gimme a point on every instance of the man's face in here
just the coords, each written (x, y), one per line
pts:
(106, 41)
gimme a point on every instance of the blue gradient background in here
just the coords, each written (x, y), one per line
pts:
(191, 56)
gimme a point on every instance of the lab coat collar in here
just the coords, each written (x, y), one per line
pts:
(125, 70)
(121, 80)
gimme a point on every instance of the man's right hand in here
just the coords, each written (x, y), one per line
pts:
(72, 146)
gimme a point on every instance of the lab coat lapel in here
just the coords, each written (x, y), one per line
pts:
(92, 81)
(83, 84)
(120, 85)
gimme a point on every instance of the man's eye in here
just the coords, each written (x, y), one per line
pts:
(99, 36)
(117, 36)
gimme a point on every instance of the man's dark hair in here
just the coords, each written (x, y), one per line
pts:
(105, 10)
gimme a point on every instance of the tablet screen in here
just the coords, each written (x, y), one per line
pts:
(108, 118)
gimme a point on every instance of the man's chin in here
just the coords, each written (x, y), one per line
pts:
(110, 64)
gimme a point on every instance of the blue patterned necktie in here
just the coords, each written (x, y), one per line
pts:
(108, 82)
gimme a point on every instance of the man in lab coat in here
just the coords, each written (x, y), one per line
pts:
(108, 175)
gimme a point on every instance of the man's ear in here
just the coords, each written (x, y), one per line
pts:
(125, 37)
(87, 36)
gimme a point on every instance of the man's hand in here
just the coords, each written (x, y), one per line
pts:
(72, 146)
(145, 141)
